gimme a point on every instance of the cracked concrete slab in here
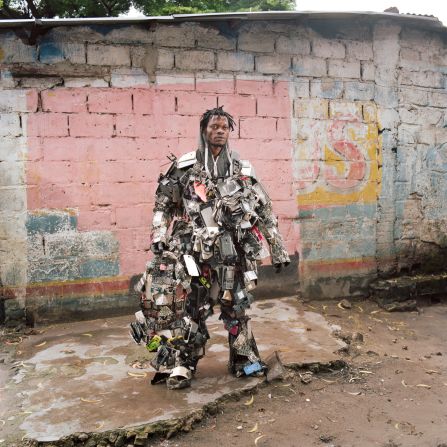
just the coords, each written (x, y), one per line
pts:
(78, 377)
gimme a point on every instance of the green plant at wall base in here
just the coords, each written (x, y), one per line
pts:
(22, 9)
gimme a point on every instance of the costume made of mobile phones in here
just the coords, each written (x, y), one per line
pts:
(213, 222)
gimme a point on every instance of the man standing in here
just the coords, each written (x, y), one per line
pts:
(222, 224)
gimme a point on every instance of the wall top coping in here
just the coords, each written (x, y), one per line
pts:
(417, 20)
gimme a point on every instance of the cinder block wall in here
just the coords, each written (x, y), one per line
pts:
(344, 121)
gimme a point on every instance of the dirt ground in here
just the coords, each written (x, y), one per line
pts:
(393, 391)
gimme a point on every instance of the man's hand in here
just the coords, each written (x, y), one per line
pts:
(278, 266)
(157, 248)
(280, 257)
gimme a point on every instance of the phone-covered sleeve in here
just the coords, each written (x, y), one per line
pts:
(268, 225)
(167, 204)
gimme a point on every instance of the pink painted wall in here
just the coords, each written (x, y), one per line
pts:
(100, 151)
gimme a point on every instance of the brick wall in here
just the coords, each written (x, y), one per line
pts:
(347, 133)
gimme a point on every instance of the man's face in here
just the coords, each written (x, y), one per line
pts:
(217, 131)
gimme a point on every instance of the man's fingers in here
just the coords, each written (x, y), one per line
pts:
(279, 266)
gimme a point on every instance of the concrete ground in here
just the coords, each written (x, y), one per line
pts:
(391, 392)
(91, 378)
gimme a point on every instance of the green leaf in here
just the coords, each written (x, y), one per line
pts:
(112, 8)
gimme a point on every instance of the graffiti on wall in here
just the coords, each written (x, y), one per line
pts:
(337, 162)
(337, 178)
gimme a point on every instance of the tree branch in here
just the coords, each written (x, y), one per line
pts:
(33, 9)
(106, 6)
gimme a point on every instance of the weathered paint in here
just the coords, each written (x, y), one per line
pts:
(337, 212)
(49, 52)
(105, 162)
(14, 50)
(434, 176)
(15, 104)
(94, 157)
(57, 251)
(79, 287)
(337, 177)
(337, 162)
(347, 135)
(50, 222)
(96, 160)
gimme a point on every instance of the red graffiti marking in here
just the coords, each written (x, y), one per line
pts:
(334, 160)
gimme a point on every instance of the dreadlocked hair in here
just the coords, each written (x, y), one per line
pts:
(217, 111)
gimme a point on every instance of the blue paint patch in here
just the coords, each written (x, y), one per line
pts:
(437, 158)
(50, 223)
(388, 142)
(73, 221)
(6, 75)
(103, 243)
(399, 207)
(327, 89)
(46, 270)
(58, 252)
(402, 190)
(95, 268)
(339, 232)
(50, 53)
(405, 169)
(363, 210)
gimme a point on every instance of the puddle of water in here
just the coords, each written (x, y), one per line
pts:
(35, 426)
(265, 305)
(217, 348)
(103, 364)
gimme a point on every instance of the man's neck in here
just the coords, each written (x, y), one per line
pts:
(215, 150)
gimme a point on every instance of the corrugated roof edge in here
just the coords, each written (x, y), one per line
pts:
(428, 21)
